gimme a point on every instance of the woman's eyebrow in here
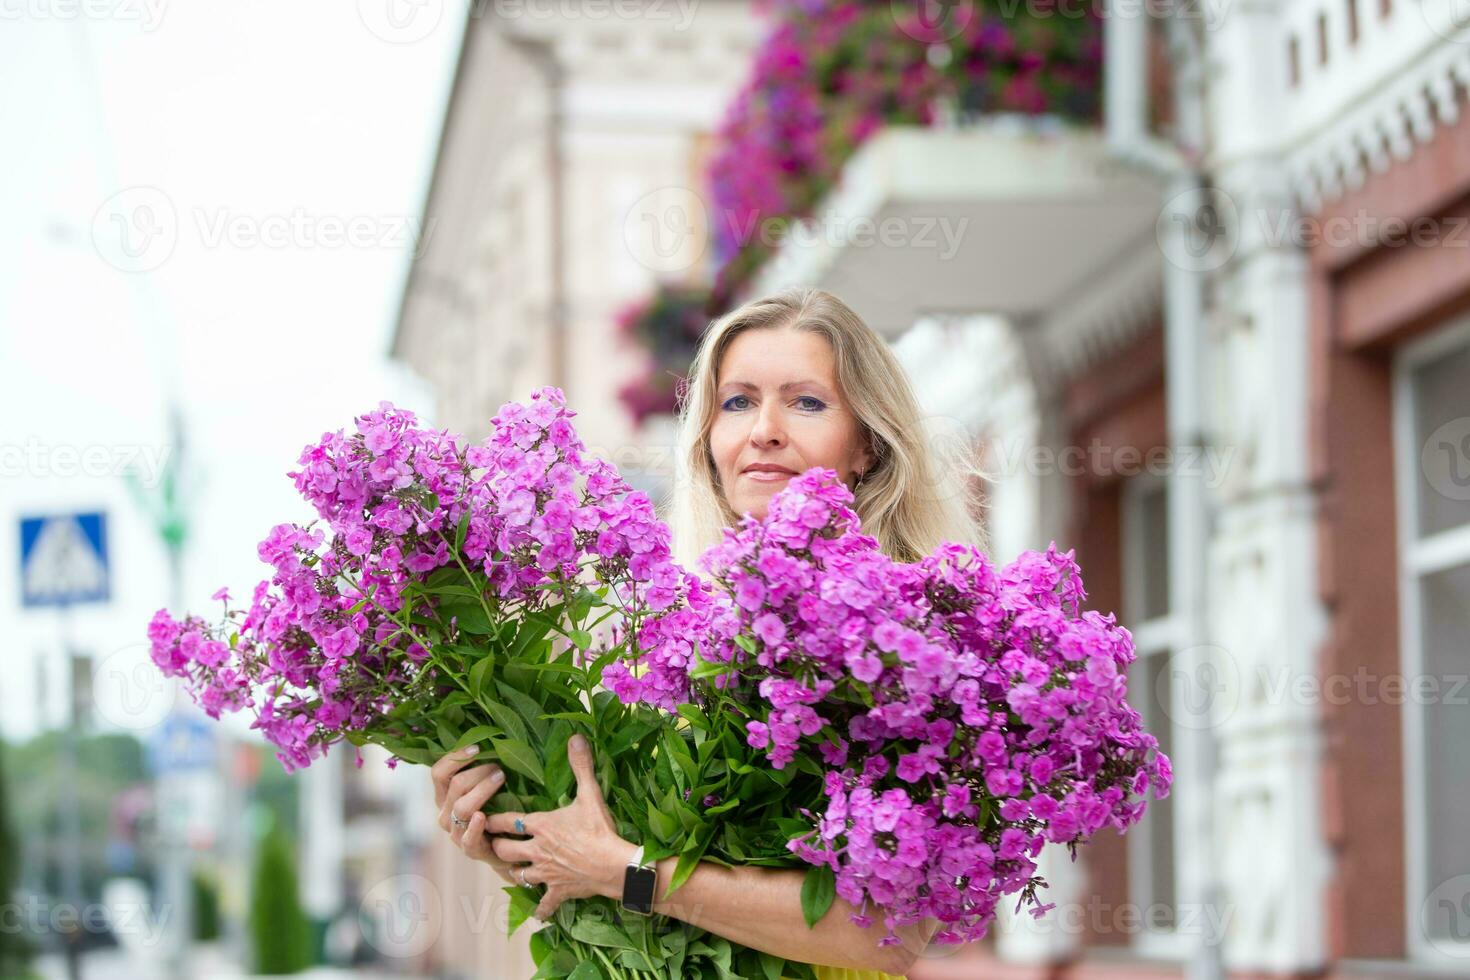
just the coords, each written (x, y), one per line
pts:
(788, 386)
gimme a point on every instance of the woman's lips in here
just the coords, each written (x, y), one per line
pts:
(766, 476)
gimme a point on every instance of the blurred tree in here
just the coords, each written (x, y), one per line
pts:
(107, 765)
(278, 927)
(15, 951)
(206, 908)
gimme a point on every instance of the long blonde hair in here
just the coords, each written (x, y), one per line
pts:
(911, 499)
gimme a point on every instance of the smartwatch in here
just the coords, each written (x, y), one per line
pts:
(639, 883)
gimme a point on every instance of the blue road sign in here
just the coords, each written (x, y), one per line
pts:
(182, 743)
(63, 559)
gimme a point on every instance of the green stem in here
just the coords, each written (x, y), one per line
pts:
(408, 629)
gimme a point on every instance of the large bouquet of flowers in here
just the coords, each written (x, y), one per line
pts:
(963, 716)
(910, 734)
(448, 595)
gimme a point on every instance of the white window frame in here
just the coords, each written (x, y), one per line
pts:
(1161, 635)
(1418, 558)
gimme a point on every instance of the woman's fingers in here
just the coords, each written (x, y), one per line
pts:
(442, 771)
(460, 785)
(514, 851)
(476, 796)
(506, 823)
(549, 904)
(477, 845)
(579, 754)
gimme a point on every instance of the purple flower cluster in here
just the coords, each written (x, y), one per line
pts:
(328, 643)
(965, 715)
(831, 73)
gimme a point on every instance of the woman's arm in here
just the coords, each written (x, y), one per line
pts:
(576, 853)
(761, 908)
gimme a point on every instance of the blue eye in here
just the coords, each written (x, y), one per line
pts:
(808, 403)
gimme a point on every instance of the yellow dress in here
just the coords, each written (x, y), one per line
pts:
(837, 973)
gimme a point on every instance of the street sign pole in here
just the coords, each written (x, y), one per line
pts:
(63, 563)
(70, 821)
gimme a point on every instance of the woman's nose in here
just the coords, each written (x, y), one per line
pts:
(767, 430)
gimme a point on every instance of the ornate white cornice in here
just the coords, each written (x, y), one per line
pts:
(1407, 79)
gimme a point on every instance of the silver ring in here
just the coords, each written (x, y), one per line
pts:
(454, 819)
(521, 872)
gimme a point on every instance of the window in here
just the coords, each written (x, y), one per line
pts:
(1152, 690)
(1432, 436)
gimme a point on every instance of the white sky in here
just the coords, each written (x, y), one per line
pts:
(221, 124)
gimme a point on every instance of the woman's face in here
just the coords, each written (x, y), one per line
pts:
(778, 413)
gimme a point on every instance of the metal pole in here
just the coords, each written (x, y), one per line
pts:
(69, 821)
(173, 803)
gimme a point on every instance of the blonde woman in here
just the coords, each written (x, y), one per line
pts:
(778, 386)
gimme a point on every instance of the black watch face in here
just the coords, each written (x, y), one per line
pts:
(638, 885)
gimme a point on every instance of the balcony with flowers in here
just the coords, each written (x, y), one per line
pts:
(911, 157)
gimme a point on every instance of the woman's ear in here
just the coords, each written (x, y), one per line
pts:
(867, 459)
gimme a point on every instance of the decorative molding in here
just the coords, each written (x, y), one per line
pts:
(1386, 125)
(1082, 331)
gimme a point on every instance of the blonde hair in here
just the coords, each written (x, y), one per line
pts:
(912, 498)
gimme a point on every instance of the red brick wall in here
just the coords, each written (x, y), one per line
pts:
(1367, 298)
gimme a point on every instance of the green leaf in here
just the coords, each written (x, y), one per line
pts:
(557, 667)
(635, 960)
(772, 966)
(559, 775)
(480, 733)
(480, 675)
(468, 616)
(628, 736)
(461, 530)
(694, 716)
(817, 892)
(595, 932)
(520, 757)
(523, 902)
(579, 716)
(581, 639)
(663, 826)
(689, 859)
(506, 717)
(586, 970)
(533, 630)
(745, 643)
(526, 707)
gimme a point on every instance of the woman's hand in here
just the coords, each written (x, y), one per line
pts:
(575, 851)
(460, 793)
